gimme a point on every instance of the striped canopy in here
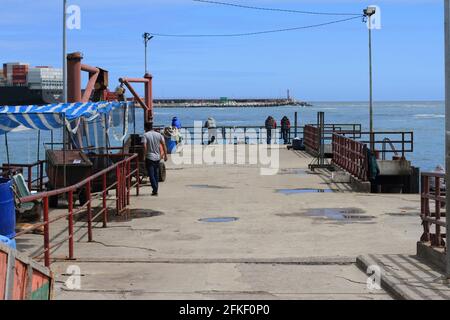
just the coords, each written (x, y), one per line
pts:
(52, 116)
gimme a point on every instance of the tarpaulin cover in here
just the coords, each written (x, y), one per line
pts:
(52, 116)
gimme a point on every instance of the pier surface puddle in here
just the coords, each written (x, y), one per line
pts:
(219, 220)
(301, 172)
(346, 215)
(208, 186)
(113, 217)
(403, 214)
(303, 190)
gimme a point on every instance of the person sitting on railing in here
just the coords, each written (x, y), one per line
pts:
(285, 128)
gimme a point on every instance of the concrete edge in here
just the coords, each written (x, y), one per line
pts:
(360, 186)
(431, 256)
(356, 184)
(308, 261)
(390, 286)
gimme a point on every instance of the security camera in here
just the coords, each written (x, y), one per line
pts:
(370, 11)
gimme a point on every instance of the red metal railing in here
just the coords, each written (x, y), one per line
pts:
(122, 184)
(351, 155)
(433, 195)
(311, 137)
(36, 183)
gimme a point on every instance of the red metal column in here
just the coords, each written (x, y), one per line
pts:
(149, 97)
(74, 77)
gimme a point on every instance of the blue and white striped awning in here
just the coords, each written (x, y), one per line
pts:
(52, 116)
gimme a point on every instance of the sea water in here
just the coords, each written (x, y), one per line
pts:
(426, 119)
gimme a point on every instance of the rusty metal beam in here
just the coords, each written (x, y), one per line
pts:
(93, 76)
(147, 105)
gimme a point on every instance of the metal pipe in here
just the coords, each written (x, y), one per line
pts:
(7, 149)
(74, 77)
(447, 114)
(65, 92)
(93, 76)
(372, 146)
(134, 93)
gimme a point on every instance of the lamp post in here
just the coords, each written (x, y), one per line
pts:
(368, 13)
(147, 37)
(64, 51)
(447, 117)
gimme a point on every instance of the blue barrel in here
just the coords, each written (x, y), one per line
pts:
(7, 209)
(8, 242)
(171, 145)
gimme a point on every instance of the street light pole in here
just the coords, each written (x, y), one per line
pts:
(447, 118)
(147, 37)
(64, 52)
(368, 13)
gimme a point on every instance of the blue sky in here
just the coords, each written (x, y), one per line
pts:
(328, 63)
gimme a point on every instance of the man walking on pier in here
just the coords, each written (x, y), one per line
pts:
(153, 142)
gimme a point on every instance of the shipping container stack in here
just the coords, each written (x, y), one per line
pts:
(15, 73)
(19, 76)
(45, 78)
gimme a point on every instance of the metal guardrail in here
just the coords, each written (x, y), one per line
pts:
(433, 195)
(234, 134)
(351, 155)
(311, 137)
(32, 170)
(401, 142)
(312, 132)
(122, 185)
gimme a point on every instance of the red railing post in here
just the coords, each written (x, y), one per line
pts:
(138, 178)
(30, 177)
(123, 186)
(41, 176)
(437, 202)
(426, 237)
(71, 235)
(46, 233)
(89, 210)
(105, 207)
(128, 181)
(118, 190)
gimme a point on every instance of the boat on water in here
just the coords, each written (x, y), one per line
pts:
(21, 84)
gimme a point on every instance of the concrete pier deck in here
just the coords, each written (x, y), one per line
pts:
(277, 249)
